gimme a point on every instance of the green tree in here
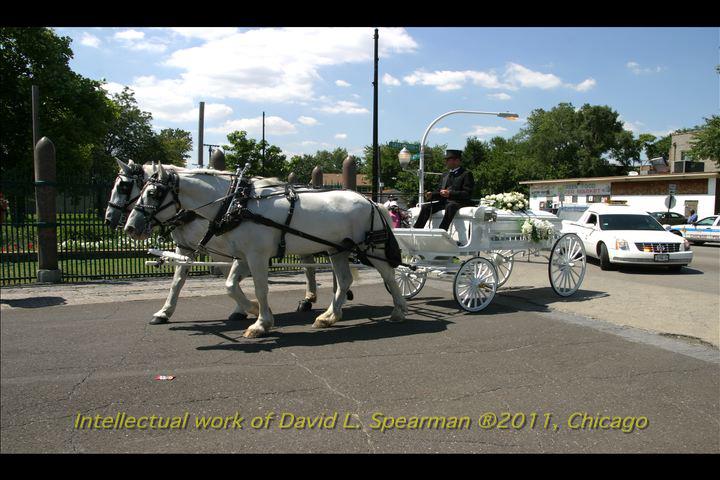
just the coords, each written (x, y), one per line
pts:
(706, 143)
(577, 143)
(241, 150)
(130, 136)
(74, 112)
(659, 148)
(176, 145)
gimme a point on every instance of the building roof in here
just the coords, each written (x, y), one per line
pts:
(627, 178)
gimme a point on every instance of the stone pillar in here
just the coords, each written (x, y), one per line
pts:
(45, 192)
(217, 160)
(349, 173)
(317, 177)
(292, 178)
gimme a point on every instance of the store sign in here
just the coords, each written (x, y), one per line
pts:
(570, 190)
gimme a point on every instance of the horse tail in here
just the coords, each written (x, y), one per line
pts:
(392, 249)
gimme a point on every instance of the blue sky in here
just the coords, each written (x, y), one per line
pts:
(315, 84)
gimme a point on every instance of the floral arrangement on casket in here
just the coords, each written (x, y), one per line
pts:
(537, 229)
(512, 201)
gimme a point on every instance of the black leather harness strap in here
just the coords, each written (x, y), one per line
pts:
(292, 198)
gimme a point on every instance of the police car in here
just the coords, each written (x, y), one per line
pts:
(705, 230)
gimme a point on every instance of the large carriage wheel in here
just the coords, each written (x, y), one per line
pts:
(475, 284)
(504, 261)
(567, 265)
(409, 281)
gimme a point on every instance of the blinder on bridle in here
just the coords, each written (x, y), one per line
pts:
(125, 187)
(158, 194)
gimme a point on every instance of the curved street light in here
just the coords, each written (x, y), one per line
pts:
(421, 168)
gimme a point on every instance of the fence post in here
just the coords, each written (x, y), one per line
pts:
(349, 173)
(317, 177)
(217, 160)
(45, 192)
(292, 178)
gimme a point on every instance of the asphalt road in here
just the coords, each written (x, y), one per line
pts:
(684, 303)
(516, 356)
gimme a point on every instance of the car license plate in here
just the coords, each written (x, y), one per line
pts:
(662, 257)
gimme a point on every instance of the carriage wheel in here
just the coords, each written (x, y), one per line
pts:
(410, 282)
(504, 261)
(567, 265)
(475, 284)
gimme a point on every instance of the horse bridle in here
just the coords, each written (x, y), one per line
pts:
(124, 187)
(161, 191)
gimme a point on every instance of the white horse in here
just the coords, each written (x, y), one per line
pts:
(333, 216)
(125, 193)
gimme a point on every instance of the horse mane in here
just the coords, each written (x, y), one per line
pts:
(261, 182)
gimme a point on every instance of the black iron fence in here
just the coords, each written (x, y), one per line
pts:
(87, 248)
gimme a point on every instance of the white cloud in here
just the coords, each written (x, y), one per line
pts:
(277, 64)
(213, 111)
(388, 79)
(637, 69)
(583, 86)
(204, 33)
(442, 130)
(309, 121)
(130, 35)
(343, 106)
(90, 40)
(273, 126)
(483, 131)
(135, 40)
(521, 76)
(514, 77)
(341, 136)
(113, 87)
(255, 65)
(342, 83)
(499, 96)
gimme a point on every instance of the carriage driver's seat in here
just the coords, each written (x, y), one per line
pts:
(461, 226)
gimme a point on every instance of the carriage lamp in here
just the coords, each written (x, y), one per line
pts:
(404, 157)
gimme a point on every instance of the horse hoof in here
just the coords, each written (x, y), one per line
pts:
(253, 333)
(237, 317)
(349, 295)
(304, 306)
(158, 320)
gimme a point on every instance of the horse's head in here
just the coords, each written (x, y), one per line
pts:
(153, 207)
(125, 192)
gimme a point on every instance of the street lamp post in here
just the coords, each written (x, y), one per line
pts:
(421, 168)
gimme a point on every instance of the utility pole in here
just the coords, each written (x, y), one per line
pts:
(263, 145)
(376, 150)
(35, 114)
(201, 127)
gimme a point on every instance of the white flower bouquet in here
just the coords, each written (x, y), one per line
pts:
(512, 201)
(537, 229)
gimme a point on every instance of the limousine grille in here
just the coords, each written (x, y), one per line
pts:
(658, 247)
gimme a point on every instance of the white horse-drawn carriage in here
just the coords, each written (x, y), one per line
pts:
(478, 251)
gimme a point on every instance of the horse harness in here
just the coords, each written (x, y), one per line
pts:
(124, 187)
(234, 211)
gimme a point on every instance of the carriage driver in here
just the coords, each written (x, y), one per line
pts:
(456, 189)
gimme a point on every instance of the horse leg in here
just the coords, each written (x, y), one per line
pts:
(232, 285)
(310, 283)
(388, 275)
(259, 268)
(181, 273)
(341, 268)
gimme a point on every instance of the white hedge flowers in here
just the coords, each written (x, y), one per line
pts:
(512, 201)
(537, 229)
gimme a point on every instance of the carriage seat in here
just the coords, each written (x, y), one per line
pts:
(461, 225)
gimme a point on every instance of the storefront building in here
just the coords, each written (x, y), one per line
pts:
(693, 191)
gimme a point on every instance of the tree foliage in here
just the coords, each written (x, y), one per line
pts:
(241, 150)
(706, 143)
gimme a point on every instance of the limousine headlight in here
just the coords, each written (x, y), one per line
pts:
(621, 244)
